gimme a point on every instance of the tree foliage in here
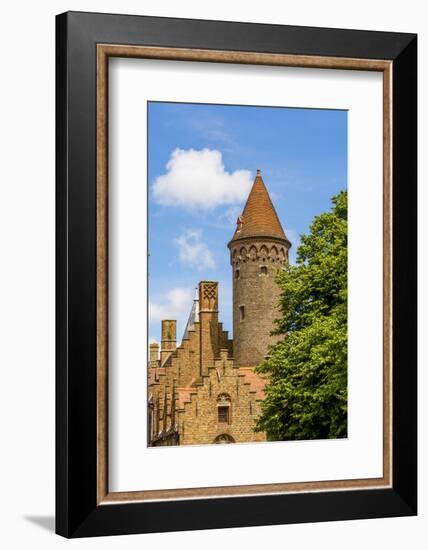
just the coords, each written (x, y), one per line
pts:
(306, 394)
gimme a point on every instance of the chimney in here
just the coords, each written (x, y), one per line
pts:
(154, 354)
(208, 323)
(169, 339)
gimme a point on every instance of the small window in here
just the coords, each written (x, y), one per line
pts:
(263, 270)
(236, 273)
(241, 313)
(223, 414)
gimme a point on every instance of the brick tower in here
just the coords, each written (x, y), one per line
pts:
(258, 249)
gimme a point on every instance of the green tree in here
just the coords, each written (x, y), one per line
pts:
(306, 394)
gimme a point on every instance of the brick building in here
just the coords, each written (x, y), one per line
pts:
(205, 390)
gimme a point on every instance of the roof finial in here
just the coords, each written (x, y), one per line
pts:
(258, 171)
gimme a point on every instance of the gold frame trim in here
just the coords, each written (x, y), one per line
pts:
(104, 51)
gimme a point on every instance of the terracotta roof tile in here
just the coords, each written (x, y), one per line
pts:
(259, 218)
(184, 395)
(257, 382)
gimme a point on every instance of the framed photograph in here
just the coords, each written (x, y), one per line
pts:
(236, 274)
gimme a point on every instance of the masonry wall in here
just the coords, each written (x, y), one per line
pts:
(195, 379)
(223, 386)
(174, 377)
(255, 264)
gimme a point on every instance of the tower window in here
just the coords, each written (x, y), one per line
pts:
(241, 313)
(236, 273)
(263, 270)
(223, 414)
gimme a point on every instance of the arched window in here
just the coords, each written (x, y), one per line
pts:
(224, 438)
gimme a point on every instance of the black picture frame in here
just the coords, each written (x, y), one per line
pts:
(77, 512)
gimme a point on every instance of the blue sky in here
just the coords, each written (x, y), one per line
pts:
(202, 162)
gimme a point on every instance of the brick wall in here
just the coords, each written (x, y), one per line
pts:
(255, 264)
(223, 386)
(201, 375)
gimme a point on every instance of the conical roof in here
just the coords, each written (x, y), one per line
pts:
(259, 218)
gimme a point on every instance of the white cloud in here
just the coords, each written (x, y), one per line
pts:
(193, 251)
(197, 179)
(176, 305)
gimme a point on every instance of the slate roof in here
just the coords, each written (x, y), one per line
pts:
(193, 317)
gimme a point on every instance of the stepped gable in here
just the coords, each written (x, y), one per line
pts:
(223, 387)
(259, 217)
(257, 383)
(153, 374)
(184, 395)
